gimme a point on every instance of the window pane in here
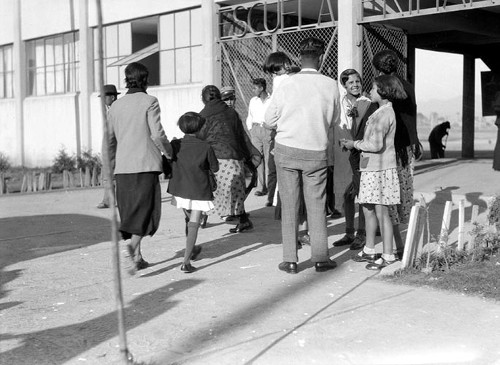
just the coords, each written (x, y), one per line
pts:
(8, 58)
(111, 41)
(59, 73)
(40, 81)
(76, 45)
(40, 53)
(182, 66)
(2, 81)
(182, 29)
(197, 64)
(167, 32)
(69, 48)
(49, 52)
(70, 78)
(49, 78)
(124, 39)
(96, 43)
(9, 85)
(58, 50)
(96, 75)
(167, 67)
(121, 77)
(111, 72)
(196, 28)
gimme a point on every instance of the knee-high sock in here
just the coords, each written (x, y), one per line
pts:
(192, 235)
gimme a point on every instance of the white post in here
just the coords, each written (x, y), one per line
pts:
(211, 58)
(350, 36)
(461, 222)
(19, 61)
(84, 130)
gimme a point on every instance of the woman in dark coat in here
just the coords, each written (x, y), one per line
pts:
(223, 130)
(436, 139)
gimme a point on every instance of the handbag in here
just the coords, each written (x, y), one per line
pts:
(212, 180)
(166, 167)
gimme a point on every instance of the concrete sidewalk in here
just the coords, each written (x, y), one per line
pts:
(57, 301)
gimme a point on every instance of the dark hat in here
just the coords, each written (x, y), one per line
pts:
(110, 90)
(227, 92)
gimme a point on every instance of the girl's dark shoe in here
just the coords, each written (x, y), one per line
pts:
(188, 268)
(380, 264)
(240, 227)
(204, 221)
(196, 252)
(141, 264)
(346, 240)
(364, 257)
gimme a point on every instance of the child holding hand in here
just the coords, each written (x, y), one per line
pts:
(379, 184)
(192, 162)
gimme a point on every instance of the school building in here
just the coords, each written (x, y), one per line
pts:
(49, 52)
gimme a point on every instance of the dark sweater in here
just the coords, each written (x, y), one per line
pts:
(191, 160)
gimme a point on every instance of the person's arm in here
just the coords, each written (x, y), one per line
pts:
(249, 121)
(212, 160)
(156, 129)
(374, 141)
(112, 143)
(272, 113)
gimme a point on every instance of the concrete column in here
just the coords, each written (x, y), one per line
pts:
(468, 107)
(19, 60)
(211, 57)
(83, 128)
(350, 35)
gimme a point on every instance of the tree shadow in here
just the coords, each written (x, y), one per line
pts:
(58, 345)
(30, 237)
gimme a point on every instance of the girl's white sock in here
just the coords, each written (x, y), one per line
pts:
(369, 251)
(388, 257)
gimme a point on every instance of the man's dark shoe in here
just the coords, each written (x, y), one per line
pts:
(288, 267)
(241, 227)
(325, 266)
(102, 205)
(269, 204)
(365, 257)
(260, 193)
(335, 214)
(358, 243)
(196, 252)
(346, 240)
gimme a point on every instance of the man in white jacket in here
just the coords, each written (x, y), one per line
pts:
(303, 110)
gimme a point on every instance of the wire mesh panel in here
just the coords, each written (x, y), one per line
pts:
(377, 38)
(242, 59)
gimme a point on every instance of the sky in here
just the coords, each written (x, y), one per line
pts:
(439, 75)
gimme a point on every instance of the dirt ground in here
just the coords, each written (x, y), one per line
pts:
(57, 301)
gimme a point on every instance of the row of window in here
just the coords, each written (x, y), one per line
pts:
(169, 45)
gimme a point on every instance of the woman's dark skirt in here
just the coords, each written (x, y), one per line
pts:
(139, 203)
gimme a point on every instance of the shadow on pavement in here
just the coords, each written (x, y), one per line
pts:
(30, 237)
(58, 345)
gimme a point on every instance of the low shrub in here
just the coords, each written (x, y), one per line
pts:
(88, 160)
(4, 162)
(494, 213)
(63, 161)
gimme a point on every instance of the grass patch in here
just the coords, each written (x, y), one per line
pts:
(478, 278)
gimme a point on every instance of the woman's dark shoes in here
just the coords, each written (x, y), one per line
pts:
(335, 214)
(188, 268)
(365, 257)
(196, 252)
(380, 264)
(241, 227)
(305, 240)
(288, 267)
(261, 192)
(399, 254)
(325, 266)
(358, 242)
(346, 240)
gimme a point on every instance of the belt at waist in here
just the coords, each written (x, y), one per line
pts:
(259, 124)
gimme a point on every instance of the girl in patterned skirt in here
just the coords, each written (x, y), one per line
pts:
(192, 162)
(379, 185)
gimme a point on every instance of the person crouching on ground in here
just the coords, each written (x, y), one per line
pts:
(379, 185)
(192, 162)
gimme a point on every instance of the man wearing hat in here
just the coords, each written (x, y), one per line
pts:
(228, 95)
(110, 96)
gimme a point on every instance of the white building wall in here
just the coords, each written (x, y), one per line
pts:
(8, 128)
(50, 124)
(7, 24)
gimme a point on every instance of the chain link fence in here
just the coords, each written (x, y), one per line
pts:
(242, 59)
(378, 38)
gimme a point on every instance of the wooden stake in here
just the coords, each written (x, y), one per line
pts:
(473, 221)
(445, 225)
(411, 237)
(461, 222)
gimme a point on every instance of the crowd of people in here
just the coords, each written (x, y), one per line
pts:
(304, 143)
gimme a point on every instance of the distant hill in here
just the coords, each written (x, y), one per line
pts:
(449, 109)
